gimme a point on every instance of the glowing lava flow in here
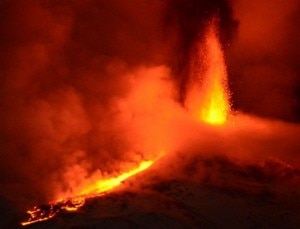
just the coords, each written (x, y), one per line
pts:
(108, 184)
(48, 211)
(210, 102)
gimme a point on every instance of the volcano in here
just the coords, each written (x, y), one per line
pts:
(129, 115)
(214, 192)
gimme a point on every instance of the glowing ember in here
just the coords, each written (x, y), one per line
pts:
(48, 211)
(210, 101)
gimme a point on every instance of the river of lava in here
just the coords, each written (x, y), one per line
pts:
(47, 211)
(207, 101)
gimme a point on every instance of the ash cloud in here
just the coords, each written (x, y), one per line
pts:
(263, 58)
(62, 67)
(188, 20)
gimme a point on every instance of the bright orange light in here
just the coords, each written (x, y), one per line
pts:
(110, 183)
(210, 101)
(216, 107)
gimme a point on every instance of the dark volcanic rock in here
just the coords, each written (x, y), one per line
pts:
(226, 195)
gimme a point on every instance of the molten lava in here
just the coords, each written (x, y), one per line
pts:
(209, 98)
(48, 211)
(105, 185)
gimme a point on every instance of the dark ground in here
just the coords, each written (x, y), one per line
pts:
(226, 195)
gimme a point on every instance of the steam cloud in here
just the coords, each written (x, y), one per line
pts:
(85, 85)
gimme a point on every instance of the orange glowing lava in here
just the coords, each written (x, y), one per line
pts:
(48, 211)
(209, 98)
(110, 183)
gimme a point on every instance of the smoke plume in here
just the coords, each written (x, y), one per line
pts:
(263, 58)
